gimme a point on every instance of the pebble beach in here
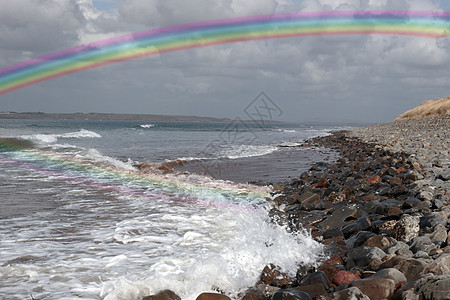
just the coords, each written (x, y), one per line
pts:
(381, 211)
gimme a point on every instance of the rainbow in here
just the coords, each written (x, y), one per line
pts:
(187, 190)
(209, 33)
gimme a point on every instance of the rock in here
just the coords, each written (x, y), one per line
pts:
(411, 267)
(374, 179)
(363, 256)
(439, 235)
(430, 287)
(339, 217)
(313, 290)
(393, 274)
(425, 196)
(290, 295)
(399, 248)
(272, 275)
(352, 293)
(359, 239)
(422, 243)
(344, 277)
(380, 241)
(428, 223)
(212, 296)
(434, 287)
(440, 266)
(330, 271)
(331, 233)
(316, 277)
(406, 228)
(375, 288)
(163, 295)
(254, 294)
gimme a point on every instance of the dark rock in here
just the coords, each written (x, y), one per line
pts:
(439, 235)
(272, 275)
(352, 293)
(430, 287)
(290, 295)
(163, 295)
(399, 248)
(212, 296)
(339, 217)
(363, 256)
(313, 290)
(344, 277)
(331, 233)
(316, 277)
(359, 239)
(429, 222)
(254, 294)
(422, 243)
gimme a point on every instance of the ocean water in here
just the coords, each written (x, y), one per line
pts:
(79, 221)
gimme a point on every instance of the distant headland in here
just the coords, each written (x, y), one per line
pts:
(109, 117)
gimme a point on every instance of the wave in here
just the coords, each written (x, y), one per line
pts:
(52, 138)
(146, 126)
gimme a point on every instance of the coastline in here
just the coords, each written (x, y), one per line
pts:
(381, 211)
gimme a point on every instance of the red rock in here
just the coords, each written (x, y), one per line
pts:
(272, 275)
(212, 296)
(323, 183)
(163, 295)
(344, 277)
(374, 179)
(401, 169)
(333, 260)
(329, 270)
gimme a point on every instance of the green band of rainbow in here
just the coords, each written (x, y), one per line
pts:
(182, 37)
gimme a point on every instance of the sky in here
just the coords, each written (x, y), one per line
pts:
(357, 78)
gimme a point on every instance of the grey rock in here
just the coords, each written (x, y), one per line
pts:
(422, 243)
(392, 273)
(399, 248)
(439, 235)
(434, 287)
(352, 293)
(359, 239)
(363, 256)
(425, 195)
(428, 223)
(412, 268)
(290, 294)
(339, 217)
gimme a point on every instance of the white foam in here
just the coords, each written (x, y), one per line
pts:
(53, 138)
(147, 125)
(242, 151)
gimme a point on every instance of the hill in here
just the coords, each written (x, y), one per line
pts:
(428, 108)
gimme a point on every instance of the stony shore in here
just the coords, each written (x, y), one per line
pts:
(381, 211)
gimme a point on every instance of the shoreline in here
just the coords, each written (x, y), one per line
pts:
(381, 211)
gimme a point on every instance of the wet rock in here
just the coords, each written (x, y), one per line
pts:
(339, 217)
(313, 290)
(406, 228)
(344, 277)
(318, 277)
(273, 276)
(290, 294)
(363, 256)
(330, 271)
(359, 239)
(212, 296)
(163, 295)
(254, 294)
(352, 293)
(331, 233)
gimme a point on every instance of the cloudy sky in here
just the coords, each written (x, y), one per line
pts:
(370, 78)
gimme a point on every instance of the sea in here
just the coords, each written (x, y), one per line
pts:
(79, 220)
